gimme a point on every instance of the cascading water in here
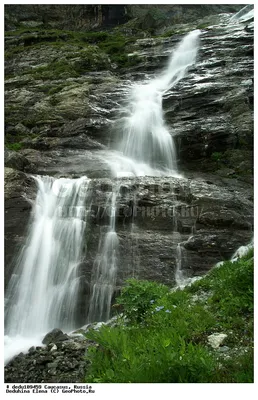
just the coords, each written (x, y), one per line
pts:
(42, 293)
(148, 149)
(146, 139)
(105, 266)
(246, 13)
(179, 276)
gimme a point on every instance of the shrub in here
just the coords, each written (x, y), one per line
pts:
(138, 297)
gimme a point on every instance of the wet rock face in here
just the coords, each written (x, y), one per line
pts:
(209, 218)
(19, 187)
(62, 102)
(216, 114)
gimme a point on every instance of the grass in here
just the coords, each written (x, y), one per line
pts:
(162, 337)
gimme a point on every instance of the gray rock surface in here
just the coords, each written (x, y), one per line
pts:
(15, 160)
(63, 364)
(18, 188)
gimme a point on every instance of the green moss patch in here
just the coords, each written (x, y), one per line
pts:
(113, 44)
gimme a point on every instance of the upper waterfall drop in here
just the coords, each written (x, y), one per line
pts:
(146, 138)
(246, 13)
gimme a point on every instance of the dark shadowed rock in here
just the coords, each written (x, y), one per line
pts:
(55, 336)
(15, 160)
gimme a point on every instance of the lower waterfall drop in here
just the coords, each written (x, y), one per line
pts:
(42, 293)
(105, 266)
(181, 257)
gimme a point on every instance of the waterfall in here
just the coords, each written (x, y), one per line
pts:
(148, 149)
(105, 266)
(42, 293)
(246, 13)
(179, 278)
(146, 138)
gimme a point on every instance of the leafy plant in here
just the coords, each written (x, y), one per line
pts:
(145, 355)
(138, 297)
(216, 156)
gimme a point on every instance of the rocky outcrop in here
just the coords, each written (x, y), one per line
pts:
(211, 114)
(15, 160)
(61, 358)
(87, 17)
(57, 362)
(18, 187)
(79, 17)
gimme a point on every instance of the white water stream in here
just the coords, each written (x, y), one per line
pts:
(245, 14)
(147, 146)
(42, 293)
(105, 266)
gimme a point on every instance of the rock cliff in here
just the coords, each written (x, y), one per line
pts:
(65, 85)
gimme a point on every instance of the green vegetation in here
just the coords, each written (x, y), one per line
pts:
(173, 32)
(216, 156)
(202, 26)
(14, 146)
(163, 334)
(54, 70)
(239, 160)
(137, 298)
(114, 44)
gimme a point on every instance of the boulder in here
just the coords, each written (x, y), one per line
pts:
(55, 336)
(216, 339)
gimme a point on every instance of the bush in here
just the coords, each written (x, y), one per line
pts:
(138, 297)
